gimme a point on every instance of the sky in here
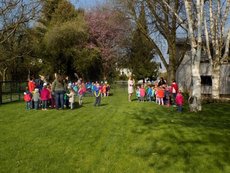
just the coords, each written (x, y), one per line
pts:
(87, 4)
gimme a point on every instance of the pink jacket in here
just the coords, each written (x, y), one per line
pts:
(179, 99)
(45, 94)
(81, 91)
(142, 92)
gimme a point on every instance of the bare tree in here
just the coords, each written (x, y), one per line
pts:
(217, 34)
(162, 23)
(13, 15)
(195, 28)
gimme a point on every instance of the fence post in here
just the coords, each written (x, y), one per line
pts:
(0, 92)
(11, 97)
(19, 86)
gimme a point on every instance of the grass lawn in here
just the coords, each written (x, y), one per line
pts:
(118, 137)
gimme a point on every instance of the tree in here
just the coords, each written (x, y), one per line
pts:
(217, 34)
(194, 12)
(163, 24)
(16, 17)
(107, 29)
(196, 47)
(17, 47)
(62, 33)
(141, 55)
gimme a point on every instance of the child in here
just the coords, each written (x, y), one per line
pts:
(51, 97)
(71, 96)
(104, 90)
(97, 94)
(174, 90)
(149, 93)
(138, 93)
(179, 101)
(36, 98)
(27, 98)
(66, 98)
(161, 94)
(45, 95)
(153, 96)
(167, 96)
(75, 87)
(80, 94)
(142, 93)
(107, 89)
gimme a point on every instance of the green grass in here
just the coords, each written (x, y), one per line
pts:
(118, 137)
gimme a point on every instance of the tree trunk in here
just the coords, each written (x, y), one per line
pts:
(195, 102)
(172, 64)
(4, 74)
(216, 82)
(196, 45)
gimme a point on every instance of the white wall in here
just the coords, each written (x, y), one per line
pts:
(183, 76)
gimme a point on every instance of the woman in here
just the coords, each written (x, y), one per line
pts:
(161, 82)
(130, 88)
(59, 88)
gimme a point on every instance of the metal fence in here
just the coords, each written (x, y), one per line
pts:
(11, 91)
(119, 85)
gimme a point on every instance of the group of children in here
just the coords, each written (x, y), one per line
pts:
(161, 94)
(37, 97)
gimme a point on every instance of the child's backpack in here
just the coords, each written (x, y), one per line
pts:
(27, 97)
(75, 88)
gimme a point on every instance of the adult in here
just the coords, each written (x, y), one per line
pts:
(130, 88)
(31, 85)
(161, 82)
(58, 88)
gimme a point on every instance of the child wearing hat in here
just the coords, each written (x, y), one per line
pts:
(36, 98)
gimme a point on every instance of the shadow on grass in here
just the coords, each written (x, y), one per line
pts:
(184, 142)
(103, 104)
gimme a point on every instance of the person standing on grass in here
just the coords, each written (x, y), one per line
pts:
(58, 88)
(36, 98)
(45, 95)
(138, 95)
(179, 101)
(149, 93)
(161, 94)
(31, 85)
(97, 94)
(174, 90)
(28, 98)
(142, 93)
(130, 88)
(104, 90)
(51, 97)
(71, 96)
(161, 82)
(80, 94)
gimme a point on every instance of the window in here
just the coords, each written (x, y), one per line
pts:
(206, 80)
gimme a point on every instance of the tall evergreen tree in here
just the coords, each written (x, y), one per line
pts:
(141, 57)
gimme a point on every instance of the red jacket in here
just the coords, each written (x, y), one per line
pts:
(45, 94)
(31, 86)
(160, 93)
(175, 87)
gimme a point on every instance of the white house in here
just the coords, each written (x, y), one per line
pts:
(183, 74)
